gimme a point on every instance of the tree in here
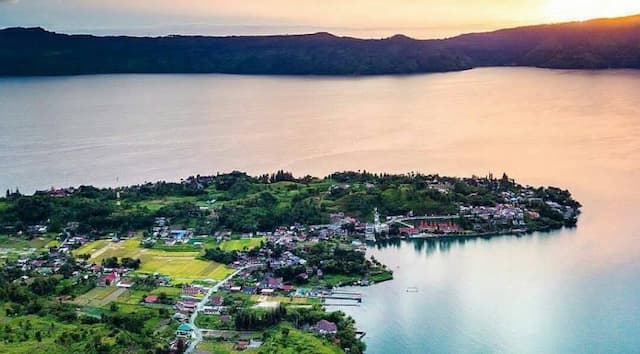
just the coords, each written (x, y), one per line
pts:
(180, 346)
(163, 298)
(111, 262)
(130, 263)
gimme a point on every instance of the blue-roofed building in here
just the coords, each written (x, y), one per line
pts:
(249, 290)
(180, 235)
(185, 330)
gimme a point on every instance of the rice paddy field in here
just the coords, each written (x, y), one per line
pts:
(90, 247)
(180, 266)
(100, 296)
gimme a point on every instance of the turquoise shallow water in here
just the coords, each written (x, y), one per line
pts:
(571, 291)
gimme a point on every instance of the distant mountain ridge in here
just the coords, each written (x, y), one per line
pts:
(595, 44)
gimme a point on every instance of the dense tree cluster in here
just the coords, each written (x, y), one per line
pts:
(238, 202)
(112, 332)
(220, 256)
(112, 262)
(256, 319)
(334, 258)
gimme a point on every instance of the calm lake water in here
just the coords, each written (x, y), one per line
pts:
(570, 291)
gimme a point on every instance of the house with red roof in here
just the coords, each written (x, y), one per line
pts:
(186, 306)
(109, 279)
(274, 283)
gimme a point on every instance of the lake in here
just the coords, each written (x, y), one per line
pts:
(575, 290)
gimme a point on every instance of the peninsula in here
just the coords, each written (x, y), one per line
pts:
(231, 262)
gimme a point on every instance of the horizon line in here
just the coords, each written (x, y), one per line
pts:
(320, 30)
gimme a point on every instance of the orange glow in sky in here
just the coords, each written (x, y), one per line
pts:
(400, 13)
(420, 18)
(568, 10)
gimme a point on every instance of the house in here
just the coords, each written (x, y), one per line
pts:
(192, 290)
(324, 327)
(249, 290)
(45, 270)
(179, 316)
(217, 301)
(163, 280)
(109, 279)
(151, 299)
(274, 283)
(180, 235)
(125, 283)
(185, 330)
(186, 306)
(212, 310)
(241, 345)
(266, 291)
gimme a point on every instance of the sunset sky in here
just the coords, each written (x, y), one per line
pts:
(366, 18)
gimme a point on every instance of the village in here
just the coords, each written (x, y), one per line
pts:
(194, 305)
(207, 270)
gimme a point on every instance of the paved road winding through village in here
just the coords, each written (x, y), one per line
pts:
(192, 320)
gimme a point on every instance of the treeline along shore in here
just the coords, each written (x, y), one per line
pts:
(595, 44)
(238, 202)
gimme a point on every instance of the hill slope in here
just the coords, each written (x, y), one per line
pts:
(604, 43)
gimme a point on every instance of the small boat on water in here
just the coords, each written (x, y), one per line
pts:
(412, 289)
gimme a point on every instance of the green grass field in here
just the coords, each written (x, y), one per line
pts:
(337, 279)
(221, 348)
(132, 297)
(297, 341)
(240, 244)
(170, 291)
(180, 266)
(157, 204)
(49, 328)
(99, 296)
(20, 243)
(285, 300)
